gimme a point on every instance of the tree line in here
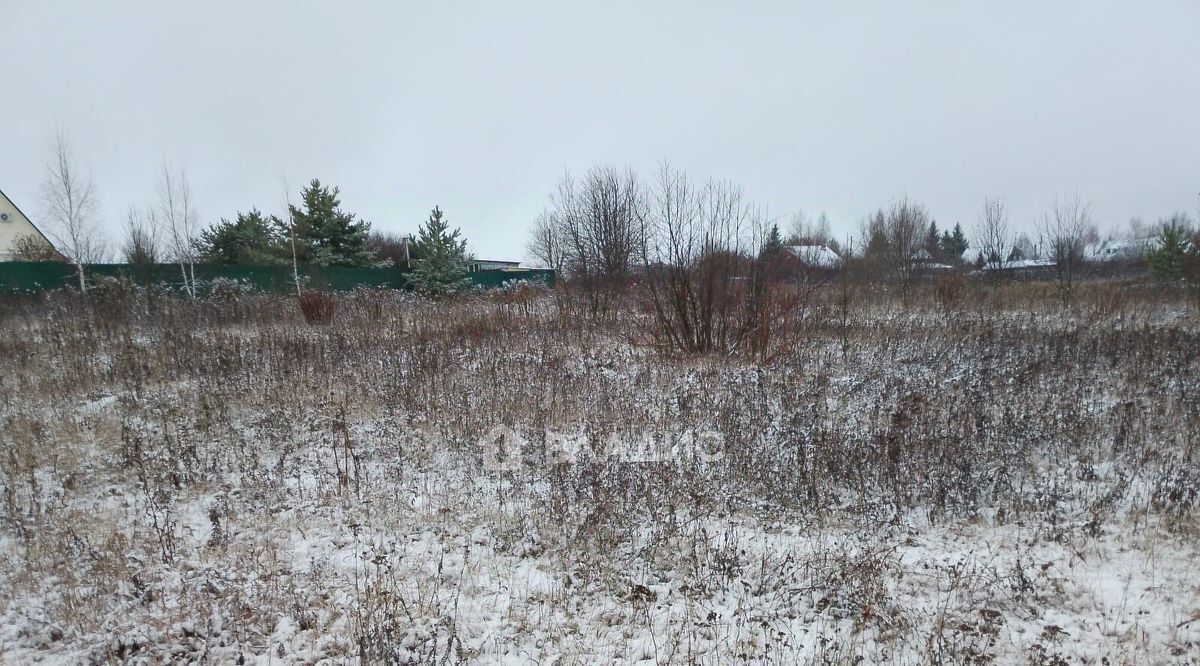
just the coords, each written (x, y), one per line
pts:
(317, 231)
(712, 267)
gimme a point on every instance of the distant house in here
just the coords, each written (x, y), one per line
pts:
(1022, 268)
(492, 265)
(13, 226)
(923, 262)
(1119, 250)
(815, 256)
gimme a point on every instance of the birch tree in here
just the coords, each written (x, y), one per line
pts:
(69, 200)
(178, 217)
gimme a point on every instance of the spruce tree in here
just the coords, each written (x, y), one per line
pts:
(773, 245)
(933, 241)
(953, 245)
(442, 267)
(325, 234)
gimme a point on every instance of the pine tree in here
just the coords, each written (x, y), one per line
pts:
(250, 239)
(326, 235)
(442, 267)
(1176, 259)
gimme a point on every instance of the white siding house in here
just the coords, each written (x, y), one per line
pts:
(13, 225)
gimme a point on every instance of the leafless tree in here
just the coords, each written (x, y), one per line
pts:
(599, 220)
(1137, 228)
(804, 231)
(904, 229)
(995, 239)
(387, 246)
(69, 200)
(545, 242)
(697, 269)
(141, 245)
(178, 216)
(32, 247)
(1065, 230)
(1024, 248)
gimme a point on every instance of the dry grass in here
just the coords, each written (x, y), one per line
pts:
(219, 478)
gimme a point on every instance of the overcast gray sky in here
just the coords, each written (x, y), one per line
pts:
(479, 107)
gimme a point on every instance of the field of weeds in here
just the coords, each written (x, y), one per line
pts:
(995, 478)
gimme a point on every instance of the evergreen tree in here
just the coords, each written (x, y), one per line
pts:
(442, 267)
(326, 235)
(953, 245)
(877, 247)
(773, 245)
(251, 239)
(877, 242)
(1177, 258)
(771, 256)
(933, 241)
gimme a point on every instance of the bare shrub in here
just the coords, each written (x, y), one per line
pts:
(1065, 230)
(903, 230)
(697, 272)
(949, 290)
(141, 246)
(318, 306)
(597, 222)
(995, 240)
(29, 247)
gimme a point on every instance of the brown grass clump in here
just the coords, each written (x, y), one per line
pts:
(318, 306)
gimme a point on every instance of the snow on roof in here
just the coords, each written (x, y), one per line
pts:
(1119, 249)
(1019, 264)
(819, 256)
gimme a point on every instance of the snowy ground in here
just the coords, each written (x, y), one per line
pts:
(1010, 488)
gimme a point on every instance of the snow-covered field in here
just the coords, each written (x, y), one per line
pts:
(496, 483)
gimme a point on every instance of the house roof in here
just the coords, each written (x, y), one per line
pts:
(1114, 249)
(815, 255)
(1021, 264)
(27, 218)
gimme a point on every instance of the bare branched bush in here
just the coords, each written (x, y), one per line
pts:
(141, 247)
(317, 305)
(545, 242)
(950, 290)
(1065, 231)
(598, 220)
(30, 247)
(994, 238)
(903, 229)
(698, 250)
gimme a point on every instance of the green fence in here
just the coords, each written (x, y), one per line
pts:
(43, 275)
